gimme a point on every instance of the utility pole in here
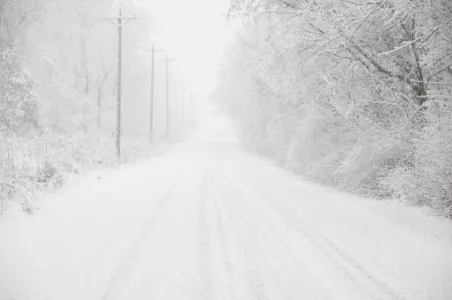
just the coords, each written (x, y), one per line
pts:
(168, 123)
(151, 120)
(120, 23)
(118, 101)
(151, 109)
(167, 101)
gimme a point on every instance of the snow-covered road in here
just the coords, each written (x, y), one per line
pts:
(211, 221)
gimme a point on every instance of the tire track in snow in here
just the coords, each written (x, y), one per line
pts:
(376, 288)
(236, 281)
(260, 275)
(250, 250)
(288, 274)
(135, 245)
(232, 264)
(356, 272)
(294, 277)
(226, 260)
(221, 268)
(204, 287)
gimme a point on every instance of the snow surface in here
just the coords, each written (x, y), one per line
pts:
(211, 221)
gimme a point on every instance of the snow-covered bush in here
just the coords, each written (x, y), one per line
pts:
(30, 166)
(428, 179)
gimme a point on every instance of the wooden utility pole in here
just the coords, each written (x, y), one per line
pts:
(151, 109)
(118, 93)
(167, 101)
(151, 120)
(120, 23)
(151, 102)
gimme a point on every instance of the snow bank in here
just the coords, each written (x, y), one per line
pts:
(90, 226)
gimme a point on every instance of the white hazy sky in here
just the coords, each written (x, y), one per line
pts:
(195, 33)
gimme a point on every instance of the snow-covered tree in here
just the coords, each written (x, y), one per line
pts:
(346, 92)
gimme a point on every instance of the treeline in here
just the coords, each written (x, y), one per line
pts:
(355, 94)
(58, 66)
